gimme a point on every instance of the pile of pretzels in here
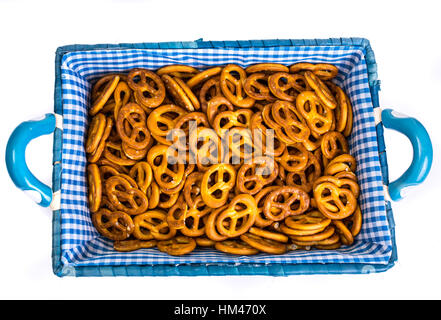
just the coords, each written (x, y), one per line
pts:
(241, 160)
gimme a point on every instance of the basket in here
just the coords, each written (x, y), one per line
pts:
(78, 250)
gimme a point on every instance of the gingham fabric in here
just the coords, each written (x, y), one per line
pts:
(81, 244)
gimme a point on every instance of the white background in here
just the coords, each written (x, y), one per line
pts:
(405, 38)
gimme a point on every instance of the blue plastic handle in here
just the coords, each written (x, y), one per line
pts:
(422, 151)
(16, 161)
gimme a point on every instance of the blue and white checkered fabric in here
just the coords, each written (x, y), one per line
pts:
(83, 246)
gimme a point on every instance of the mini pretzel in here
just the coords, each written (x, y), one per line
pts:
(275, 236)
(193, 223)
(181, 93)
(113, 152)
(325, 243)
(204, 242)
(313, 142)
(321, 90)
(345, 234)
(186, 124)
(285, 201)
(354, 222)
(252, 177)
(305, 179)
(95, 187)
(334, 202)
(230, 119)
(178, 70)
(132, 127)
(256, 87)
(240, 143)
(287, 116)
(192, 188)
(125, 196)
(318, 117)
(209, 90)
(132, 245)
(121, 96)
(149, 90)
(217, 105)
(349, 123)
(152, 225)
(267, 68)
(206, 146)
(202, 76)
(286, 86)
(216, 183)
(264, 245)
(236, 247)
(240, 213)
(166, 201)
(325, 234)
(263, 135)
(163, 119)
(95, 132)
(341, 111)
(261, 220)
(96, 155)
(294, 158)
(341, 163)
(324, 71)
(177, 213)
(103, 96)
(115, 225)
(233, 74)
(177, 246)
(334, 144)
(165, 175)
(132, 153)
(153, 195)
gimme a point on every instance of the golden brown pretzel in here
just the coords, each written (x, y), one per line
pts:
(115, 225)
(334, 202)
(132, 245)
(125, 196)
(104, 95)
(216, 183)
(321, 90)
(152, 225)
(235, 75)
(95, 187)
(286, 86)
(132, 127)
(235, 247)
(256, 87)
(334, 144)
(285, 201)
(266, 68)
(181, 93)
(324, 71)
(95, 132)
(149, 90)
(253, 176)
(202, 76)
(318, 117)
(263, 244)
(177, 246)
(178, 70)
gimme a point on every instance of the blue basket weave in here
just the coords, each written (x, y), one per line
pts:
(79, 251)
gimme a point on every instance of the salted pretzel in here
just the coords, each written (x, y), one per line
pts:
(114, 153)
(342, 163)
(163, 119)
(97, 153)
(211, 230)
(287, 116)
(95, 187)
(253, 176)
(263, 135)
(334, 202)
(133, 244)
(334, 144)
(324, 71)
(217, 105)
(216, 183)
(193, 222)
(275, 236)
(321, 90)
(344, 232)
(178, 70)
(152, 225)
(148, 88)
(261, 220)
(209, 90)
(294, 158)
(240, 215)
(133, 118)
(266, 68)
(318, 117)
(180, 92)
(236, 247)
(256, 87)
(104, 95)
(286, 86)
(231, 119)
(115, 225)
(263, 244)
(235, 75)
(202, 76)
(285, 201)
(177, 214)
(177, 246)
(125, 196)
(95, 132)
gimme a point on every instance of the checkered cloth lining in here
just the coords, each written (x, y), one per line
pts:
(83, 246)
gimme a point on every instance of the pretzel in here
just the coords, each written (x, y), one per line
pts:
(354, 222)
(240, 213)
(149, 90)
(125, 196)
(115, 225)
(305, 179)
(328, 197)
(285, 201)
(95, 187)
(287, 116)
(104, 95)
(236, 97)
(166, 201)
(236, 247)
(240, 143)
(294, 158)
(280, 131)
(260, 132)
(275, 236)
(206, 146)
(132, 245)
(312, 142)
(163, 119)
(113, 152)
(325, 234)
(95, 132)
(121, 97)
(321, 90)
(230, 119)
(324, 71)
(349, 123)
(318, 117)
(177, 246)
(286, 86)
(330, 242)
(204, 242)
(177, 213)
(209, 90)
(334, 144)
(132, 153)
(152, 225)
(341, 163)
(256, 87)
(341, 111)
(202, 76)
(131, 126)
(253, 176)
(178, 70)
(267, 68)
(215, 181)
(100, 85)
(153, 195)
(193, 223)
(97, 153)
(264, 245)
(211, 230)
(216, 106)
(167, 177)
(187, 123)
(181, 93)
(345, 234)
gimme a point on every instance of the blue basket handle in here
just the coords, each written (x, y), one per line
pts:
(422, 151)
(16, 161)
